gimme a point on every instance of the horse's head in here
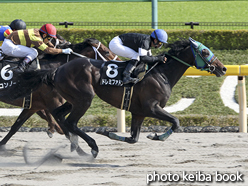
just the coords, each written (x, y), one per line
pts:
(59, 42)
(104, 53)
(205, 59)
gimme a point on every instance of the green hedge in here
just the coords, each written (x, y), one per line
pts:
(214, 39)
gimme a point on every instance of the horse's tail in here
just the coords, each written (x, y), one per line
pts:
(30, 81)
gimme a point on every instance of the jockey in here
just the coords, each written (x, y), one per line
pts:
(137, 47)
(19, 44)
(6, 30)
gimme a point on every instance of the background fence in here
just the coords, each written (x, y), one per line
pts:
(142, 25)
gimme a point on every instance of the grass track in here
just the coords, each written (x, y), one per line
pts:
(201, 11)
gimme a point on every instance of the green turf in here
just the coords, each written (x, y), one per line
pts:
(201, 11)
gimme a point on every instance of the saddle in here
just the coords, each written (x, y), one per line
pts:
(111, 73)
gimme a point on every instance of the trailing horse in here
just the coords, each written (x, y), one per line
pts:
(46, 99)
(79, 80)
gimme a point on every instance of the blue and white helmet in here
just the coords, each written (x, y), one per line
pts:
(160, 35)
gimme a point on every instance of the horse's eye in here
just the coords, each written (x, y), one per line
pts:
(107, 53)
(205, 53)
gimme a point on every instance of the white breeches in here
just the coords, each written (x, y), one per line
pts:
(116, 46)
(10, 49)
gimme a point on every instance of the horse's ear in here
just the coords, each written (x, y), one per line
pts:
(193, 42)
(93, 42)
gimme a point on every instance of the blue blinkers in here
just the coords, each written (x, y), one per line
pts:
(197, 48)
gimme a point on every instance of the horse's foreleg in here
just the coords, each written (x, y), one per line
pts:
(161, 114)
(135, 131)
(135, 128)
(110, 135)
(46, 115)
(25, 114)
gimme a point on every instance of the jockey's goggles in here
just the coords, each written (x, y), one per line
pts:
(48, 38)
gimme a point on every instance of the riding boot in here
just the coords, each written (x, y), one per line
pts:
(24, 64)
(1, 55)
(128, 71)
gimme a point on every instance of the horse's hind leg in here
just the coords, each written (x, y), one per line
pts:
(59, 115)
(71, 123)
(135, 131)
(25, 114)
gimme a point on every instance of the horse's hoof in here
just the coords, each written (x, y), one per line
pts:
(94, 153)
(2, 148)
(73, 147)
(153, 136)
(130, 140)
(50, 134)
(74, 142)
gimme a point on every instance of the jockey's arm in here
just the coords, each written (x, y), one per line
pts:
(146, 58)
(42, 46)
(49, 44)
(152, 59)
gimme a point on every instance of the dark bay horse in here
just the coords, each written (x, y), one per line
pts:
(78, 82)
(46, 99)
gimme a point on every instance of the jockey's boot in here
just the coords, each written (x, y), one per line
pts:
(128, 71)
(1, 55)
(23, 65)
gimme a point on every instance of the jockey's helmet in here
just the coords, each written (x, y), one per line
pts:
(17, 24)
(160, 35)
(49, 29)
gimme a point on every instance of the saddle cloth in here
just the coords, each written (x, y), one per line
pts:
(8, 79)
(111, 75)
(111, 72)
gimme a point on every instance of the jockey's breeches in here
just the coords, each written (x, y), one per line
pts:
(10, 49)
(116, 46)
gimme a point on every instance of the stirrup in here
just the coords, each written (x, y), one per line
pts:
(20, 69)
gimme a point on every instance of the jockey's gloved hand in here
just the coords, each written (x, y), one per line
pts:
(161, 59)
(67, 51)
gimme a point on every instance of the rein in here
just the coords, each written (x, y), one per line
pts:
(77, 54)
(181, 61)
(97, 52)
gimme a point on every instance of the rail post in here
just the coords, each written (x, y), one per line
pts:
(154, 14)
(121, 126)
(192, 24)
(242, 104)
(66, 23)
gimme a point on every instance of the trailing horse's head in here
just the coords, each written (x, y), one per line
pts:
(205, 59)
(103, 52)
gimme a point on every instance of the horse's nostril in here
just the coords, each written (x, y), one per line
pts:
(224, 69)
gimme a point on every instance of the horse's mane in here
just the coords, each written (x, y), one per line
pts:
(80, 46)
(178, 46)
